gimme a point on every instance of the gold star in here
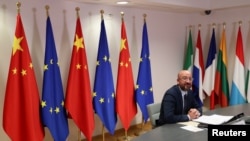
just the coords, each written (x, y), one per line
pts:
(78, 66)
(142, 92)
(16, 45)
(151, 89)
(113, 95)
(141, 59)
(57, 110)
(85, 67)
(43, 104)
(123, 46)
(14, 71)
(101, 100)
(45, 67)
(51, 110)
(121, 63)
(126, 65)
(94, 94)
(78, 43)
(97, 63)
(137, 86)
(62, 104)
(105, 58)
(24, 72)
(31, 65)
(51, 61)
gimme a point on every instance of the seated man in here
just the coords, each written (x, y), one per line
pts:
(178, 103)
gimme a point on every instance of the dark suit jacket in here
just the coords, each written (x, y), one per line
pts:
(172, 106)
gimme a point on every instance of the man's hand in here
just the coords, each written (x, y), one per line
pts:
(193, 113)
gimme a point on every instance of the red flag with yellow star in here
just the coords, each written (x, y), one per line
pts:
(125, 94)
(78, 94)
(21, 116)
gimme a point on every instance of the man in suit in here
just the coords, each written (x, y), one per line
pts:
(178, 103)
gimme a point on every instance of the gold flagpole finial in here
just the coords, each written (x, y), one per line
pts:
(122, 14)
(18, 4)
(199, 26)
(77, 12)
(144, 17)
(190, 27)
(224, 25)
(213, 25)
(47, 9)
(102, 11)
(240, 22)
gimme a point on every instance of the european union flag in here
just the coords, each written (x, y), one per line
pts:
(53, 111)
(104, 93)
(144, 88)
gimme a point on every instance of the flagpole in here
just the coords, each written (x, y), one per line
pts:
(79, 135)
(141, 129)
(213, 25)
(18, 4)
(102, 11)
(47, 10)
(125, 138)
(103, 135)
(142, 123)
(199, 26)
(126, 132)
(240, 22)
(77, 16)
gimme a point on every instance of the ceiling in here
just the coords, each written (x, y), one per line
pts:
(175, 5)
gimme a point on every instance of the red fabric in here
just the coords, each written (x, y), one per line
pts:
(221, 87)
(21, 115)
(78, 94)
(201, 62)
(125, 100)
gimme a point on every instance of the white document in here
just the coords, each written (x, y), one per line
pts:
(213, 119)
(192, 128)
(189, 123)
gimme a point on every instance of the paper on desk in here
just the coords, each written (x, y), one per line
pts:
(192, 128)
(213, 119)
(189, 123)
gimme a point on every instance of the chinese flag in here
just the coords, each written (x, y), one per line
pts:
(125, 100)
(78, 94)
(21, 117)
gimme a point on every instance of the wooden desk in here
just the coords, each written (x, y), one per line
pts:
(173, 132)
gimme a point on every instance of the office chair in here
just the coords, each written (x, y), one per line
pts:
(154, 112)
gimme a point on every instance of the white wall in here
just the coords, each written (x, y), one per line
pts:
(167, 40)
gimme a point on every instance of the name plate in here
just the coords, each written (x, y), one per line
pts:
(241, 132)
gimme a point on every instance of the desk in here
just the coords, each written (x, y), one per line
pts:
(173, 132)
